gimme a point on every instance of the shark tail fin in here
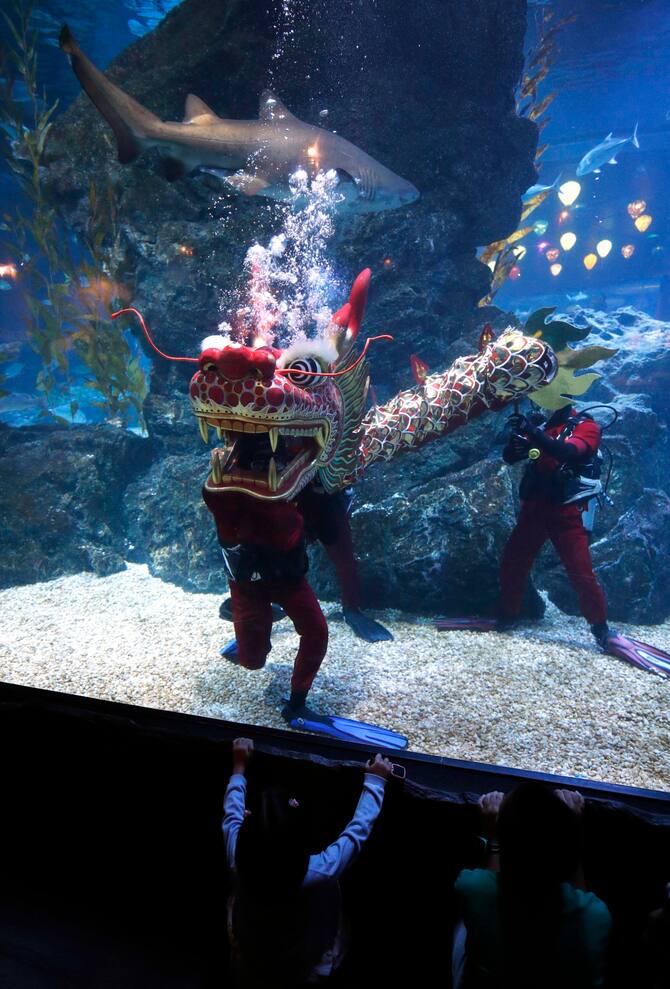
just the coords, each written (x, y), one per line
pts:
(131, 122)
(634, 138)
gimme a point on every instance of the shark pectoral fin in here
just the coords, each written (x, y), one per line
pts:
(197, 112)
(270, 107)
(248, 185)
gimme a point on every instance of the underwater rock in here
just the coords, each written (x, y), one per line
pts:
(454, 132)
(631, 563)
(169, 527)
(61, 499)
(435, 548)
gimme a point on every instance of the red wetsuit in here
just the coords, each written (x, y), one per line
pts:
(543, 517)
(268, 544)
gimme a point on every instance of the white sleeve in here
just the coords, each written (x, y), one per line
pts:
(331, 863)
(233, 814)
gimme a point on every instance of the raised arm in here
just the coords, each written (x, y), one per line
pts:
(331, 863)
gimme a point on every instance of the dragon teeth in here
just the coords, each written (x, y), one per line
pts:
(320, 437)
(274, 438)
(204, 430)
(272, 475)
(219, 432)
(216, 467)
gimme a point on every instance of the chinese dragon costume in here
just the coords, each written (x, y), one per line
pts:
(292, 420)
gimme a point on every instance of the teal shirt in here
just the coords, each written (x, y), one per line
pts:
(585, 928)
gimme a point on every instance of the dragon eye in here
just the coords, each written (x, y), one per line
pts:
(209, 366)
(304, 372)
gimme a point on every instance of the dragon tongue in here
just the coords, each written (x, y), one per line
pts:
(272, 475)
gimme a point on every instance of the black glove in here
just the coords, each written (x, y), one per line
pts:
(518, 423)
(518, 446)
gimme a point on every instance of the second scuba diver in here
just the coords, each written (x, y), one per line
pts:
(559, 490)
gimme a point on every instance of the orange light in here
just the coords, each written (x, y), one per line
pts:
(8, 271)
(515, 272)
(552, 254)
(312, 151)
(590, 261)
(556, 269)
(388, 262)
(636, 208)
(185, 250)
(628, 250)
(643, 222)
(563, 215)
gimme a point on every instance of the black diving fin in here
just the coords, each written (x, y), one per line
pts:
(640, 654)
(364, 627)
(345, 729)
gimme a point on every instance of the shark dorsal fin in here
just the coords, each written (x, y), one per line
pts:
(270, 107)
(196, 111)
(609, 136)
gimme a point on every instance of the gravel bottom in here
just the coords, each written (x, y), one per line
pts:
(540, 698)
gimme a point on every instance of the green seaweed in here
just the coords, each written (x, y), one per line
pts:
(68, 293)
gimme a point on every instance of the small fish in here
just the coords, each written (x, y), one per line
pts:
(4, 286)
(577, 297)
(323, 113)
(538, 110)
(605, 152)
(535, 190)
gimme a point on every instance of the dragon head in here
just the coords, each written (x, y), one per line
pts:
(284, 415)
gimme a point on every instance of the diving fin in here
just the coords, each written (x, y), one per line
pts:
(304, 719)
(364, 627)
(466, 624)
(644, 656)
(230, 651)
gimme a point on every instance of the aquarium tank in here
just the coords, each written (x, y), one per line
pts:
(334, 369)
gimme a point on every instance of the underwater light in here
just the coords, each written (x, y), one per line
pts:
(185, 250)
(8, 271)
(636, 208)
(643, 222)
(540, 227)
(556, 269)
(519, 252)
(590, 261)
(542, 246)
(603, 247)
(552, 254)
(569, 192)
(388, 262)
(563, 215)
(628, 250)
(312, 151)
(568, 241)
(515, 272)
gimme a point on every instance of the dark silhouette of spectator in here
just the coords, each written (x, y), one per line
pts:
(285, 920)
(527, 918)
(657, 944)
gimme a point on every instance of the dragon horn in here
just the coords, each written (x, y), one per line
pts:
(350, 316)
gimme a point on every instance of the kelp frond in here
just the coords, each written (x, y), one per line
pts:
(69, 286)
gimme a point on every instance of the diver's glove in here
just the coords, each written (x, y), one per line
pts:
(561, 450)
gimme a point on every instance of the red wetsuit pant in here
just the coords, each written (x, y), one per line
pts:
(252, 617)
(539, 520)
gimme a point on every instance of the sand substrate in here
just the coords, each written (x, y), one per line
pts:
(540, 698)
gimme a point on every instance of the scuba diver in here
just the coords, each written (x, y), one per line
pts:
(559, 491)
(561, 480)
(326, 518)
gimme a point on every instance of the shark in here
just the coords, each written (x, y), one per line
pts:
(605, 153)
(254, 157)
